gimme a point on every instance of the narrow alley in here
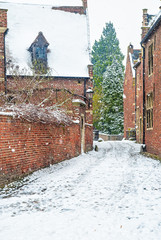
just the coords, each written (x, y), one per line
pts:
(111, 194)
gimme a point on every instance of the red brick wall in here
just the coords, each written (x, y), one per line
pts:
(74, 85)
(139, 103)
(153, 84)
(79, 10)
(26, 147)
(88, 137)
(129, 98)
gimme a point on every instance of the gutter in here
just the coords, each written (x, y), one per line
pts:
(85, 83)
(135, 98)
(143, 96)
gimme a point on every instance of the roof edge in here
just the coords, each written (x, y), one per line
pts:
(51, 77)
(71, 9)
(151, 30)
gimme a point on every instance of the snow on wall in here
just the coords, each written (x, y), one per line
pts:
(154, 19)
(132, 64)
(7, 114)
(65, 32)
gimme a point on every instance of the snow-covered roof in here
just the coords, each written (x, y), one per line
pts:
(48, 2)
(66, 33)
(79, 101)
(132, 64)
(133, 58)
(155, 21)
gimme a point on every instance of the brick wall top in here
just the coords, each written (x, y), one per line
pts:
(79, 10)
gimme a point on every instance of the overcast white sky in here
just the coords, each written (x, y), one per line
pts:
(126, 16)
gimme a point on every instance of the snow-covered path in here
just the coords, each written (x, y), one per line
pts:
(111, 194)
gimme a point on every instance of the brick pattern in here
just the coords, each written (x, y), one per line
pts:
(63, 88)
(88, 138)
(26, 147)
(79, 10)
(139, 103)
(3, 18)
(73, 9)
(129, 97)
(145, 27)
(153, 84)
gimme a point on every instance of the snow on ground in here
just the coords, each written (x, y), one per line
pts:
(111, 194)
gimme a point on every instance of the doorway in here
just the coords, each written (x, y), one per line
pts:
(82, 126)
(140, 130)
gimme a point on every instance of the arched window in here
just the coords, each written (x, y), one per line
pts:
(38, 50)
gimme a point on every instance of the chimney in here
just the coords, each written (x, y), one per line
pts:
(84, 4)
(3, 29)
(130, 48)
(145, 27)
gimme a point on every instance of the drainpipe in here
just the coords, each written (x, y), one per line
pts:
(135, 98)
(143, 97)
(5, 75)
(85, 83)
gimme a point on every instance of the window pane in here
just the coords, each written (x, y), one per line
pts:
(40, 53)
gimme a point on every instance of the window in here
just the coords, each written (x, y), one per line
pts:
(38, 50)
(154, 43)
(40, 53)
(149, 110)
(150, 59)
(138, 85)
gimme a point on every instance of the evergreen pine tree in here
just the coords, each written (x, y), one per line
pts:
(112, 108)
(104, 52)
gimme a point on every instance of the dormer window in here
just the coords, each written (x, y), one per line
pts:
(38, 50)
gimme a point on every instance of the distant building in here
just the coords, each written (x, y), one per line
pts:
(129, 90)
(147, 90)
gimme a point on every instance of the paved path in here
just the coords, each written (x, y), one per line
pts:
(111, 194)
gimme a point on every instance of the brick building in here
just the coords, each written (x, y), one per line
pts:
(46, 40)
(129, 90)
(148, 85)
